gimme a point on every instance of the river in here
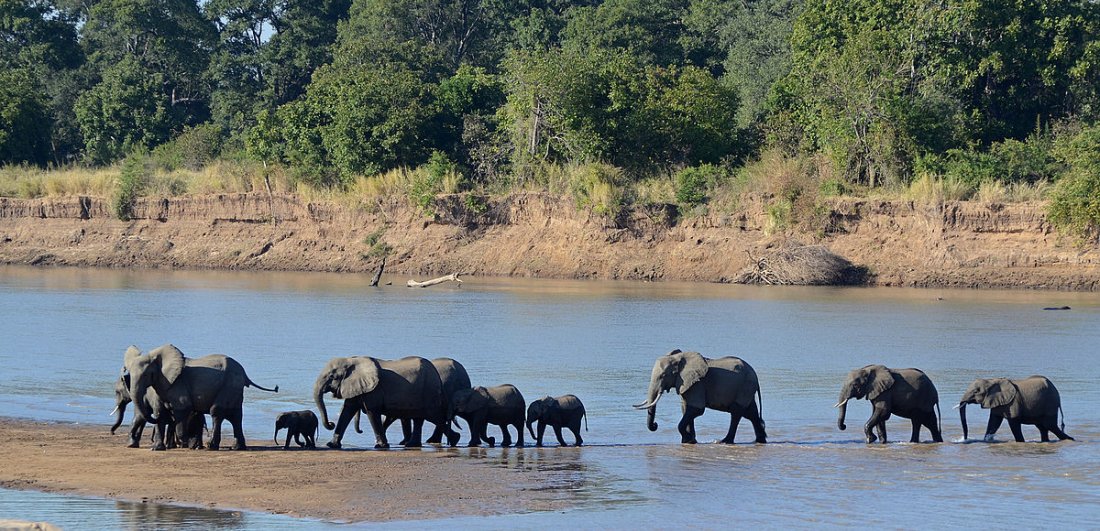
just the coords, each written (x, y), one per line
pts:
(599, 340)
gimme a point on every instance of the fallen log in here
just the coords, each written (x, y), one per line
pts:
(434, 281)
(378, 275)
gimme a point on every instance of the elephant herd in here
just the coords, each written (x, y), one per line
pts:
(175, 393)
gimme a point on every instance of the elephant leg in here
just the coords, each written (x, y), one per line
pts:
(136, 430)
(475, 433)
(1044, 434)
(687, 424)
(506, 436)
(215, 430)
(915, 437)
(346, 414)
(1017, 433)
(933, 426)
(557, 433)
(879, 415)
(380, 441)
(735, 419)
(519, 430)
(753, 414)
(437, 434)
(882, 432)
(406, 432)
(577, 433)
(415, 436)
(235, 418)
(1059, 433)
(993, 425)
(542, 430)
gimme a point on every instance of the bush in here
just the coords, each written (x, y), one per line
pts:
(692, 183)
(597, 186)
(192, 149)
(131, 182)
(1075, 201)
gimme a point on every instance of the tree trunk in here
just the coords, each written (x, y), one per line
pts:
(378, 275)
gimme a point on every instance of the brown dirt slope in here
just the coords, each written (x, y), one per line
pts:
(957, 244)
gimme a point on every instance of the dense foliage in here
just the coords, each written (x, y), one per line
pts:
(886, 91)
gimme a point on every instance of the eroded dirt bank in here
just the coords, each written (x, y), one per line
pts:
(962, 244)
(337, 485)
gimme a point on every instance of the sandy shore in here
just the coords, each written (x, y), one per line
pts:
(344, 485)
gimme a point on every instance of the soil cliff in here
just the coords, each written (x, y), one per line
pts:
(957, 244)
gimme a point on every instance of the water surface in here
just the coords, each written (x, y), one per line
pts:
(598, 340)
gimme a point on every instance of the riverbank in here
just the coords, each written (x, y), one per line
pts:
(347, 485)
(900, 243)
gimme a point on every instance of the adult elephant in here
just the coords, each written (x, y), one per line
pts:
(1033, 400)
(454, 379)
(907, 393)
(408, 388)
(212, 385)
(724, 384)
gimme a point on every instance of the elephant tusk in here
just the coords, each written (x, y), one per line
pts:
(841, 403)
(113, 411)
(957, 406)
(644, 405)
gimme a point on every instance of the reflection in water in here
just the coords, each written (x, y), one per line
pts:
(136, 515)
(598, 340)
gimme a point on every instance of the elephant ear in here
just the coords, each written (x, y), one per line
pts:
(1001, 393)
(881, 380)
(362, 377)
(131, 355)
(692, 371)
(171, 361)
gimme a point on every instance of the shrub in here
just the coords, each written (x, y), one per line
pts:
(597, 186)
(692, 183)
(1075, 201)
(192, 149)
(131, 182)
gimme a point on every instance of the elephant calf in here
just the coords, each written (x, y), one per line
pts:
(502, 405)
(563, 411)
(298, 424)
(1033, 400)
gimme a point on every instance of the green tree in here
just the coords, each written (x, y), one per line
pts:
(304, 35)
(24, 118)
(125, 111)
(756, 43)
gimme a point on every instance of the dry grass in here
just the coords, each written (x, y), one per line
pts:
(930, 189)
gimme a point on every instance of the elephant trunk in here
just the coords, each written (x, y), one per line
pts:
(120, 413)
(845, 395)
(530, 428)
(319, 396)
(652, 397)
(962, 418)
(141, 405)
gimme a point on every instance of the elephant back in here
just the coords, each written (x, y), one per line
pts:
(411, 383)
(1037, 396)
(730, 380)
(452, 375)
(920, 385)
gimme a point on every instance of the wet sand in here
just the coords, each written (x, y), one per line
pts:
(335, 485)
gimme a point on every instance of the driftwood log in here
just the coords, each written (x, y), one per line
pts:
(434, 281)
(378, 275)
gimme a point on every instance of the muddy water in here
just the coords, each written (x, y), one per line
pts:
(598, 340)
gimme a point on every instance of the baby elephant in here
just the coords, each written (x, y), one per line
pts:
(1033, 400)
(501, 405)
(297, 423)
(561, 412)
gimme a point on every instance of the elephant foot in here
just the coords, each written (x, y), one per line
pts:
(579, 444)
(435, 440)
(414, 445)
(538, 444)
(726, 441)
(159, 447)
(492, 442)
(686, 440)
(871, 439)
(240, 446)
(761, 440)
(335, 445)
(133, 444)
(472, 444)
(452, 442)
(213, 447)
(382, 446)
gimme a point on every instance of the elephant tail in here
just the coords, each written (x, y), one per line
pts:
(585, 414)
(258, 386)
(1063, 413)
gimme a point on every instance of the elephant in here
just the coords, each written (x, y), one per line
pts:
(408, 388)
(502, 405)
(563, 411)
(192, 438)
(907, 393)
(1033, 400)
(212, 385)
(723, 384)
(298, 424)
(454, 377)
